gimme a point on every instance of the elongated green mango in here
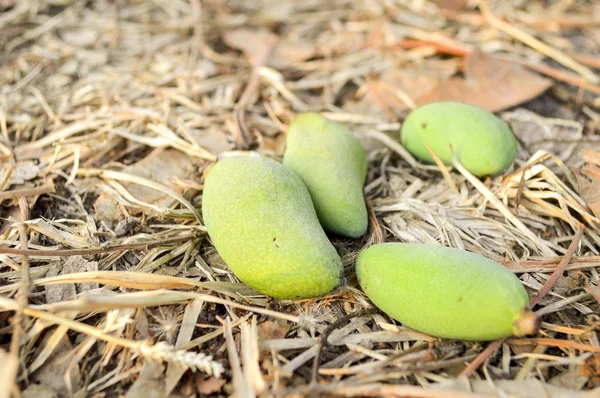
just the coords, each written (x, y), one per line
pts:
(260, 217)
(333, 165)
(482, 142)
(445, 292)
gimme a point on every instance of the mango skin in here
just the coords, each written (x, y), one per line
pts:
(333, 165)
(442, 291)
(260, 218)
(482, 142)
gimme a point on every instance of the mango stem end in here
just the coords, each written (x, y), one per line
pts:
(527, 323)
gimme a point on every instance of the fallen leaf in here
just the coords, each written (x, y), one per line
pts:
(253, 43)
(557, 136)
(52, 373)
(149, 384)
(589, 188)
(165, 166)
(59, 292)
(209, 386)
(288, 51)
(269, 330)
(107, 208)
(213, 140)
(454, 5)
(24, 171)
(522, 388)
(387, 89)
(38, 391)
(490, 83)
(75, 264)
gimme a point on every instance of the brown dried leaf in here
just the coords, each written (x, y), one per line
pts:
(530, 388)
(149, 384)
(412, 82)
(491, 83)
(253, 43)
(454, 5)
(165, 166)
(589, 189)
(557, 136)
(39, 391)
(269, 330)
(55, 370)
(213, 140)
(209, 386)
(594, 291)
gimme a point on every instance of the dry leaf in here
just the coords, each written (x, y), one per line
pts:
(149, 384)
(254, 43)
(75, 264)
(209, 386)
(589, 188)
(594, 291)
(556, 136)
(165, 166)
(491, 83)
(269, 330)
(531, 388)
(60, 292)
(213, 140)
(54, 370)
(454, 5)
(39, 391)
(24, 171)
(387, 89)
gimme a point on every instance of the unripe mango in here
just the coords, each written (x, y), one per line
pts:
(333, 165)
(445, 292)
(260, 217)
(482, 142)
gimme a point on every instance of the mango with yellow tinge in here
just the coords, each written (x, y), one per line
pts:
(482, 142)
(333, 165)
(260, 218)
(445, 292)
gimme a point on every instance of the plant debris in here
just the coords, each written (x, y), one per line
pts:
(112, 111)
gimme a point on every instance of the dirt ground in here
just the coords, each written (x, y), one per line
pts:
(112, 111)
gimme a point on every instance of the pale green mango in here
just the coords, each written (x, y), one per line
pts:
(482, 142)
(260, 218)
(333, 165)
(445, 292)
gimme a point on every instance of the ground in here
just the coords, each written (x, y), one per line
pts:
(112, 111)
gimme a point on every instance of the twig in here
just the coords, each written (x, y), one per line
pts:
(24, 285)
(485, 354)
(239, 113)
(443, 170)
(15, 193)
(95, 250)
(561, 266)
(323, 342)
(497, 203)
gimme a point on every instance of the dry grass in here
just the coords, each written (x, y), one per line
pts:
(110, 111)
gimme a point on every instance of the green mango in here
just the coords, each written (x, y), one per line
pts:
(333, 165)
(260, 218)
(445, 292)
(482, 142)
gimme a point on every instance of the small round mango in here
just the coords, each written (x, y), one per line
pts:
(482, 142)
(333, 165)
(445, 292)
(260, 218)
